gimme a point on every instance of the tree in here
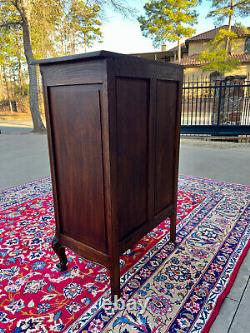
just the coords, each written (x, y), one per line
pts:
(169, 20)
(39, 22)
(121, 6)
(215, 57)
(79, 27)
(218, 55)
(229, 10)
(6, 55)
(11, 60)
(20, 15)
(44, 21)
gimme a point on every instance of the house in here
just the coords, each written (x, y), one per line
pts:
(192, 47)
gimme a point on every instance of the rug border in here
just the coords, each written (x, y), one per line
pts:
(19, 186)
(214, 180)
(226, 291)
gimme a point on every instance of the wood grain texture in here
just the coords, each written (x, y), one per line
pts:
(79, 163)
(89, 72)
(166, 113)
(132, 157)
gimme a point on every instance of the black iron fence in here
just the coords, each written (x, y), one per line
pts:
(219, 107)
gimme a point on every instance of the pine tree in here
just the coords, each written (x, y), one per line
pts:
(217, 57)
(11, 61)
(169, 20)
(79, 27)
(228, 10)
(7, 52)
(39, 22)
(21, 15)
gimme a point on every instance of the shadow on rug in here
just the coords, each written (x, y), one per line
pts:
(165, 288)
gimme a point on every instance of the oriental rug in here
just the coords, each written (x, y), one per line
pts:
(166, 288)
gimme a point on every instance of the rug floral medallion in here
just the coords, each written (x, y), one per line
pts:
(165, 287)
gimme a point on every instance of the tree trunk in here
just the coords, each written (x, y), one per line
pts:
(230, 18)
(14, 85)
(33, 78)
(20, 77)
(7, 89)
(179, 51)
(34, 101)
(85, 43)
(2, 92)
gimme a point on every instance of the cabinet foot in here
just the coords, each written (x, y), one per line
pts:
(60, 251)
(115, 280)
(173, 228)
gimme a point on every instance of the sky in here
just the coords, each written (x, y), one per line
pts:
(124, 35)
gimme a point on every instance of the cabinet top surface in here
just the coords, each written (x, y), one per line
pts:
(96, 55)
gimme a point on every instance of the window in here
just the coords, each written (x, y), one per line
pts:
(247, 44)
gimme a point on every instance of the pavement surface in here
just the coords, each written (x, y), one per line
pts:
(24, 157)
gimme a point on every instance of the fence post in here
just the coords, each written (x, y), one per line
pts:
(220, 103)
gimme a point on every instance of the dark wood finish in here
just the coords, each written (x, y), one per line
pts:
(132, 153)
(165, 143)
(60, 251)
(113, 132)
(78, 177)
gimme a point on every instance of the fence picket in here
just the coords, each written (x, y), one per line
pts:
(220, 107)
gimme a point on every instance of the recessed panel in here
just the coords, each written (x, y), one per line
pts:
(77, 144)
(165, 143)
(132, 160)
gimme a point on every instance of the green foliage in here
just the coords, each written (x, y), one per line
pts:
(7, 46)
(223, 9)
(168, 20)
(44, 19)
(41, 29)
(73, 22)
(10, 53)
(9, 16)
(33, 28)
(217, 57)
(79, 27)
(122, 7)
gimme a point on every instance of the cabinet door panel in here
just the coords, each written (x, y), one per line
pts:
(165, 143)
(77, 145)
(132, 160)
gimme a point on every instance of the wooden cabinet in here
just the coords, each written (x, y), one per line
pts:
(113, 129)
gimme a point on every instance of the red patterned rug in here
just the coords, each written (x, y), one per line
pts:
(165, 288)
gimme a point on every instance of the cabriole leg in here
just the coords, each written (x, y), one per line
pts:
(60, 251)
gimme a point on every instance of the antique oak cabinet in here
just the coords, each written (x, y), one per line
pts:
(113, 130)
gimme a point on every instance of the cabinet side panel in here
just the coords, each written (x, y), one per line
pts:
(77, 142)
(165, 143)
(132, 160)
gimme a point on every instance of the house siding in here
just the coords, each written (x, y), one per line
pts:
(197, 47)
(194, 73)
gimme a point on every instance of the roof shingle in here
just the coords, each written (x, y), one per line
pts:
(194, 60)
(210, 34)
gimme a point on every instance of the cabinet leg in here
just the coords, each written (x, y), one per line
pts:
(173, 228)
(60, 251)
(115, 280)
